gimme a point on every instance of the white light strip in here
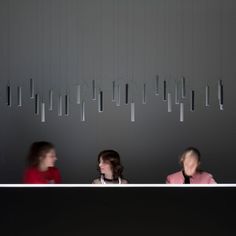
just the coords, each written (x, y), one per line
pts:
(119, 185)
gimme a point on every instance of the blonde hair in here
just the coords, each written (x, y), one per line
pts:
(194, 152)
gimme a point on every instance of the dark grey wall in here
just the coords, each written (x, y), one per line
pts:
(61, 43)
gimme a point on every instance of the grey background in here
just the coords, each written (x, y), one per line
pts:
(61, 43)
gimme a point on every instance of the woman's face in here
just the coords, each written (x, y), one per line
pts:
(49, 159)
(105, 166)
(190, 163)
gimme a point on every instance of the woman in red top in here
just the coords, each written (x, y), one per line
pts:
(41, 161)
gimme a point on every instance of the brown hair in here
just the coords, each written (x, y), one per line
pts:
(37, 150)
(194, 150)
(113, 158)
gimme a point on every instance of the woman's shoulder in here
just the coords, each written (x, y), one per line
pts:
(124, 181)
(176, 177)
(53, 169)
(175, 174)
(96, 181)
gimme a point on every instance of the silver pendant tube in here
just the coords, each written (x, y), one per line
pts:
(207, 96)
(50, 100)
(78, 94)
(164, 90)
(183, 87)
(181, 112)
(169, 102)
(176, 92)
(60, 105)
(118, 96)
(9, 97)
(132, 111)
(19, 96)
(100, 101)
(192, 100)
(94, 90)
(113, 91)
(36, 104)
(83, 111)
(42, 112)
(67, 102)
(144, 94)
(157, 85)
(31, 88)
(126, 93)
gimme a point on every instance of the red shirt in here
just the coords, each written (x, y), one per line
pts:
(34, 176)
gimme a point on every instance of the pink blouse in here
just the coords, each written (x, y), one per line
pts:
(198, 178)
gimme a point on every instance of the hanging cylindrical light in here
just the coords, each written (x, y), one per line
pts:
(164, 90)
(157, 85)
(50, 100)
(19, 96)
(220, 94)
(207, 96)
(42, 112)
(221, 97)
(183, 87)
(192, 100)
(132, 111)
(83, 111)
(113, 91)
(31, 88)
(94, 90)
(78, 94)
(9, 98)
(144, 94)
(100, 101)
(67, 108)
(118, 96)
(176, 92)
(36, 104)
(169, 102)
(181, 112)
(126, 93)
(60, 105)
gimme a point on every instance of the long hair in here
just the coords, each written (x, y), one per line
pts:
(113, 158)
(37, 150)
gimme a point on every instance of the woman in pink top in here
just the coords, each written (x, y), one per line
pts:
(190, 173)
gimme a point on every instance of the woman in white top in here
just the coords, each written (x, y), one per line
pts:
(110, 168)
